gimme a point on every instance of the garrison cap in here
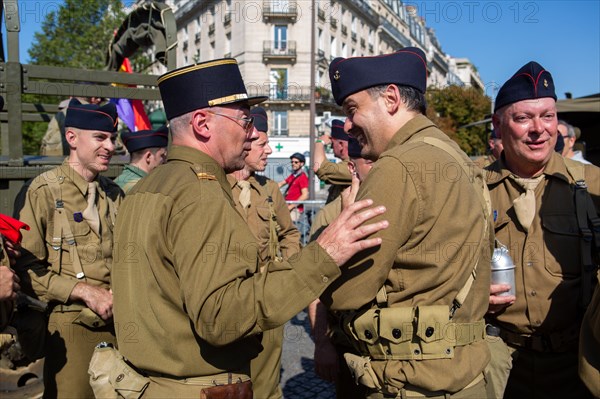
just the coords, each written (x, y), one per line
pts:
(91, 116)
(299, 157)
(354, 148)
(208, 84)
(261, 122)
(142, 139)
(530, 82)
(406, 67)
(337, 130)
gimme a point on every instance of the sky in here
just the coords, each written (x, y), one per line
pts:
(497, 36)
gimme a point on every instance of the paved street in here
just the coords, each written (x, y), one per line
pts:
(298, 379)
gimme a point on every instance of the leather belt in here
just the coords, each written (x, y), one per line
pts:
(558, 341)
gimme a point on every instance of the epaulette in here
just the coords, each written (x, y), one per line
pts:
(205, 176)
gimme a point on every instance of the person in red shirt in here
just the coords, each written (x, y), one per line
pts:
(297, 185)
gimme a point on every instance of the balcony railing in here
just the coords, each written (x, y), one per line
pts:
(363, 43)
(294, 93)
(227, 19)
(185, 45)
(353, 36)
(278, 9)
(333, 22)
(211, 29)
(197, 37)
(321, 14)
(344, 30)
(279, 50)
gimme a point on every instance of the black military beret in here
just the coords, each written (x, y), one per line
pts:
(299, 157)
(560, 143)
(203, 85)
(354, 148)
(406, 67)
(91, 116)
(337, 130)
(136, 141)
(261, 122)
(530, 82)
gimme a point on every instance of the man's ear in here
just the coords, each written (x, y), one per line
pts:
(496, 123)
(71, 137)
(391, 98)
(200, 123)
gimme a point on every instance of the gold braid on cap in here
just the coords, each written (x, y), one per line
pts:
(196, 68)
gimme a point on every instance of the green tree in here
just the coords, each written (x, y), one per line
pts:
(456, 106)
(77, 35)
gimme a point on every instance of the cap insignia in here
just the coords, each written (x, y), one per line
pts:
(336, 75)
(545, 83)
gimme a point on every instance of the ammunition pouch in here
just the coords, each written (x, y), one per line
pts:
(421, 333)
(360, 368)
(112, 377)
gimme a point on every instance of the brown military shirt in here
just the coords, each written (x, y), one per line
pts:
(258, 216)
(53, 275)
(188, 300)
(548, 257)
(335, 173)
(434, 240)
(325, 216)
(589, 345)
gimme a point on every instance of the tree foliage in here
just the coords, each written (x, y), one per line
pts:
(455, 106)
(76, 34)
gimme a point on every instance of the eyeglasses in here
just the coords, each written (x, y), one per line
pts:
(248, 124)
(295, 162)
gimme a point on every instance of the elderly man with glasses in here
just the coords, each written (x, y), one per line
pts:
(188, 281)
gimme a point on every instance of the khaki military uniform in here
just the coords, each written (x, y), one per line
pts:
(336, 174)
(325, 216)
(187, 280)
(543, 324)
(129, 177)
(589, 345)
(266, 203)
(6, 306)
(52, 273)
(438, 234)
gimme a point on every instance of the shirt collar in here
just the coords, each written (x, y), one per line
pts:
(201, 163)
(556, 168)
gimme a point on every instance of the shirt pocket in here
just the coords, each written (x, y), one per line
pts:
(561, 244)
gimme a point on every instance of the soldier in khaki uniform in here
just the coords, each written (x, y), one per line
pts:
(261, 204)
(67, 254)
(336, 174)
(496, 148)
(330, 343)
(589, 345)
(148, 149)
(188, 280)
(414, 308)
(538, 217)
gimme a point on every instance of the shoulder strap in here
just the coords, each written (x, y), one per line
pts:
(62, 227)
(590, 238)
(486, 206)
(274, 248)
(290, 184)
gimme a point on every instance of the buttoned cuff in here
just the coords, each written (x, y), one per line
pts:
(60, 288)
(316, 268)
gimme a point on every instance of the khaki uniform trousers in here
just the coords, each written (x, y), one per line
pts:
(69, 349)
(266, 367)
(474, 390)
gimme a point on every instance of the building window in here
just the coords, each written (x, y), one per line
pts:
(344, 50)
(227, 45)
(353, 24)
(320, 38)
(278, 84)
(280, 37)
(334, 46)
(280, 123)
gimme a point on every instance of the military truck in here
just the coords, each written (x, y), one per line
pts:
(149, 26)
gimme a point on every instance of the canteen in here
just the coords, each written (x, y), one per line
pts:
(503, 270)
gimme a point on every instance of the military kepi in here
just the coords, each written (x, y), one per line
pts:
(530, 82)
(261, 122)
(406, 67)
(142, 139)
(92, 116)
(337, 130)
(203, 85)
